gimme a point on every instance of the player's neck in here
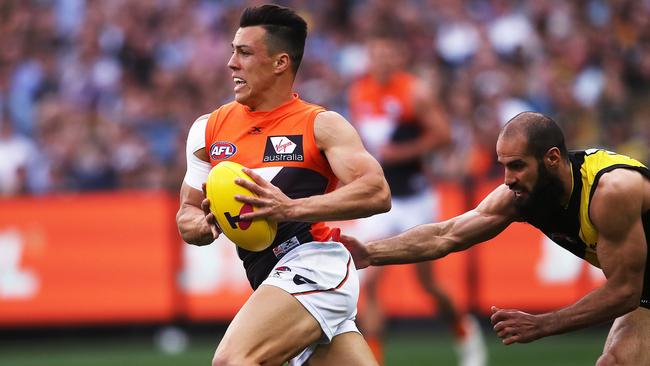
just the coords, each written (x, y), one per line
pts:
(272, 99)
(566, 177)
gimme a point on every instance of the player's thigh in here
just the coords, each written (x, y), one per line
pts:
(628, 341)
(272, 326)
(345, 349)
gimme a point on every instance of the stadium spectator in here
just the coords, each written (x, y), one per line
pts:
(18, 160)
(584, 62)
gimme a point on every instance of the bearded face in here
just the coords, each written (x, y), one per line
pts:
(544, 197)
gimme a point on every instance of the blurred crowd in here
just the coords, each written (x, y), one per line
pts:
(100, 94)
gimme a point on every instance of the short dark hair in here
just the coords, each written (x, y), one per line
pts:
(286, 30)
(541, 132)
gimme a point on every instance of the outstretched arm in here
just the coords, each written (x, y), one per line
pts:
(615, 211)
(363, 192)
(436, 240)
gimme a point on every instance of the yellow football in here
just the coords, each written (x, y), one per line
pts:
(255, 235)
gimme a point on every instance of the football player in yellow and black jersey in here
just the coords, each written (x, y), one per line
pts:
(594, 203)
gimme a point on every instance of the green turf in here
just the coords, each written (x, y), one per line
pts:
(581, 348)
(403, 348)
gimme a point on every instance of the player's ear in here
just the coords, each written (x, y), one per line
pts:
(281, 62)
(553, 157)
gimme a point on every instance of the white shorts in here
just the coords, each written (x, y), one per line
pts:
(405, 213)
(322, 276)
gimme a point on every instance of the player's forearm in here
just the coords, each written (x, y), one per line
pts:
(193, 227)
(601, 305)
(424, 242)
(361, 198)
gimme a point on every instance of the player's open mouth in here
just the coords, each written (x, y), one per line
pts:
(239, 83)
(519, 193)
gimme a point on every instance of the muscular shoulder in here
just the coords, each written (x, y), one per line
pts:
(328, 117)
(618, 198)
(619, 184)
(330, 126)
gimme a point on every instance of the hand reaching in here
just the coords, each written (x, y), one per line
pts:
(357, 249)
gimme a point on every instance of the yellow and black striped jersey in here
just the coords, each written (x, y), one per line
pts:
(571, 226)
(596, 163)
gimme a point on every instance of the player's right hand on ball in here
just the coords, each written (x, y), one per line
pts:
(357, 249)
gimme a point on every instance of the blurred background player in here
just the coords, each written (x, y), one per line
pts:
(400, 123)
(305, 285)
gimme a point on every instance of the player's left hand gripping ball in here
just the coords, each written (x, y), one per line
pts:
(221, 189)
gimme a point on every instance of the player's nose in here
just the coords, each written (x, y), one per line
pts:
(509, 179)
(233, 64)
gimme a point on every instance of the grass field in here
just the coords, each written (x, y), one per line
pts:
(408, 348)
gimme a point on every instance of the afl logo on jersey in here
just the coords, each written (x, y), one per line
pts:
(222, 150)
